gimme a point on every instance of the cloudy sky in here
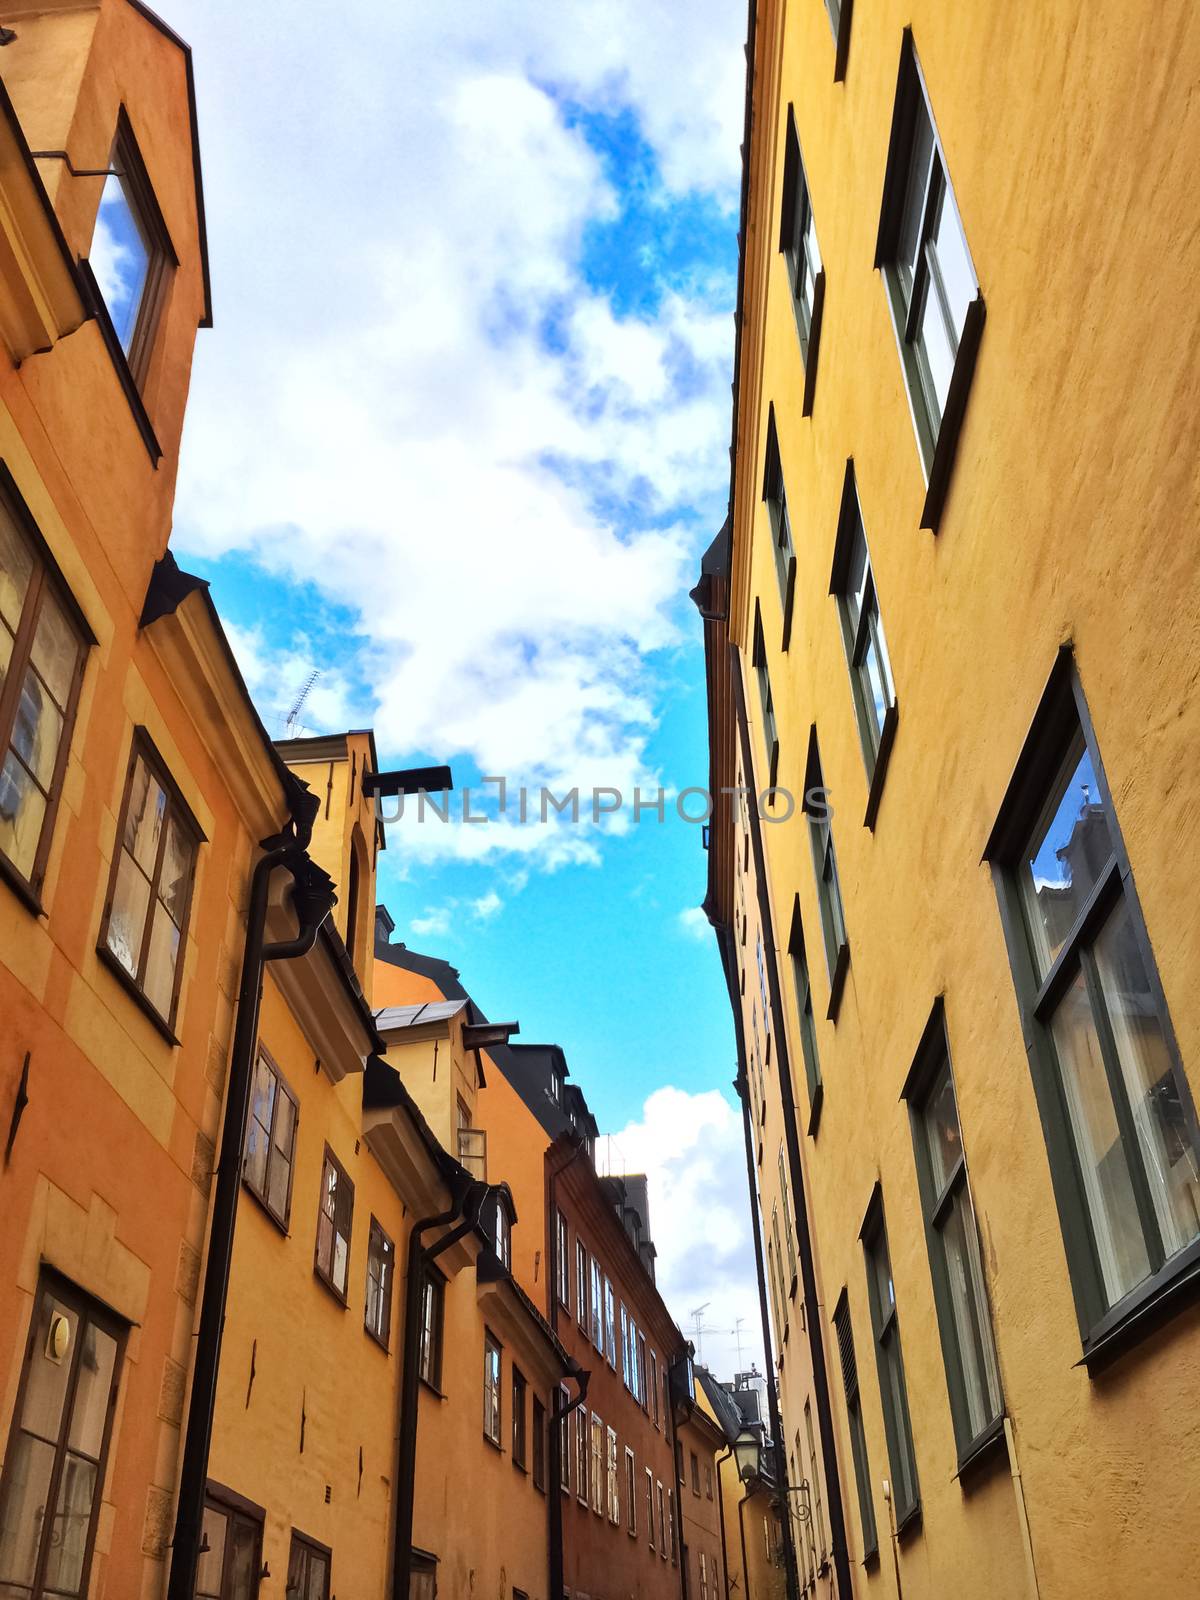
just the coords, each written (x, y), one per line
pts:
(457, 440)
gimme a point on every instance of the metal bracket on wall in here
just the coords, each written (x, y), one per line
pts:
(76, 172)
(19, 1104)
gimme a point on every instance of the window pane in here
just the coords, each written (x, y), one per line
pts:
(933, 341)
(971, 1321)
(55, 648)
(341, 1261)
(943, 1136)
(1159, 1115)
(50, 1367)
(176, 871)
(243, 1562)
(37, 729)
(6, 650)
(903, 1466)
(255, 1166)
(856, 574)
(120, 259)
(285, 1123)
(914, 197)
(1109, 1193)
(93, 1387)
(954, 264)
(212, 1560)
(68, 1538)
(324, 1243)
(23, 1513)
(159, 982)
(16, 569)
(263, 1102)
(1070, 848)
(875, 696)
(22, 809)
(143, 820)
(318, 1577)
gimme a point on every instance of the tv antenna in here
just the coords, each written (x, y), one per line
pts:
(696, 1315)
(289, 731)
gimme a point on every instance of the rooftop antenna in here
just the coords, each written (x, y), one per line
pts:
(737, 1334)
(697, 1316)
(293, 715)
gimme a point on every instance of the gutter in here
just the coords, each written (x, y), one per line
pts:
(721, 1516)
(554, 1509)
(808, 1272)
(312, 899)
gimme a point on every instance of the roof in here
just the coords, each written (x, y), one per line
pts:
(724, 1407)
(392, 1018)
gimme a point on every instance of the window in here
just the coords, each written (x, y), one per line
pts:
(472, 1143)
(230, 1552)
(613, 1481)
(271, 1139)
(131, 258)
(539, 1445)
(881, 1294)
(150, 887)
(708, 1480)
(804, 1010)
(671, 1523)
(650, 1509)
(610, 1324)
(491, 1388)
(630, 1492)
(1117, 1113)
(798, 242)
(596, 1465)
(695, 1461)
(955, 1260)
(933, 293)
(874, 694)
(433, 1312)
(654, 1388)
(858, 1438)
(308, 1570)
(581, 1283)
(814, 1479)
(563, 1261)
(838, 12)
(503, 1234)
(662, 1520)
(58, 1448)
(703, 1576)
(564, 1439)
(777, 1257)
(770, 734)
(423, 1580)
(781, 527)
(42, 644)
(626, 1349)
(810, 1549)
(332, 1263)
(381, 1263)
(639, 1372)
(581, 1455)
(597, 1330)
(785, 1196)
(829, 888)
(518, 1418)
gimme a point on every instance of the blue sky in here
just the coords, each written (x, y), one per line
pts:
(458, 439)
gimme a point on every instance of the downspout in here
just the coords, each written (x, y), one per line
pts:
(742, 1531)
(743, 1090)
(582, 1377)
(464, 1212)
(808, 1271)
(721, 1515)
(676, 1462)
(554, 1509)
(312, 899)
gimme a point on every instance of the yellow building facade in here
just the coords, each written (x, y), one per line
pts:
(944, 624)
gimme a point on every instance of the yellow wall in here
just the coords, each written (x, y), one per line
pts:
(1073, 479)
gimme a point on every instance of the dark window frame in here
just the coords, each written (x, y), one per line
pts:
(142, 748)
(310, 1548)
(806, 1018)
(377, 1232)
(87, 1310)
(342, 1296)
(492, 1344)
(518, 1420)
(429, 1352)
(839, 13)
(932, 1067)
(281, 1087)
(937, 443)
(859, 636)
(774, 497)
(827, 878)
(889, 1361)
(234, 1508)
(45, 578)
(770, 731)
(843, 1329)
(1106, 1330)
(539, 1444)
(795, 220)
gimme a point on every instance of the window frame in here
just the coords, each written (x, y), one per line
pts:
(769, 728)
(562, 1243)
(650, 1509)
(311, 1547)
(839, 13)
(932, 1066)
(581, 1282)
(795, 220)
(583, 1456)
(377, 1231)
(539, 1444)
(610, 1323)
(563, 1420)
(631, 1524)
(596, 1463)
(45, 578)
(889, 1362)
(612, 1475)
(843, 1333)
(429, 1349)
(282, 1086)
(234, 1508)
(87, 1311)
(142, 748)
(936, 444)
(774, 496)
(493, 1392)
(806, 1018)
(519, 1422)
(829, 888)
(342, 1296)
(858, 636)
(1106, 1330)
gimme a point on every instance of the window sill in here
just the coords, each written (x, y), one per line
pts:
(432, 1388)
(382, 1344)
(21, 887)
(887, 737)
(120, 365)
(334, 1293)
(135, 994)
(985, 1451)
(519, 1466)
(910, 1523)
(1143, 1311)
(842, 42)
(814, 1115)
(837, 982)
(791, 1296)
(952, 416)
(263, 1206)
(870, 1558)
(495, 1444)
(814, 343)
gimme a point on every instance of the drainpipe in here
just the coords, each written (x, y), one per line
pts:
(554, 1509)
(313, 899)
(808, 1271)
(742, 1531)
(721, 1515)
(582, 1377)
(464, 1212)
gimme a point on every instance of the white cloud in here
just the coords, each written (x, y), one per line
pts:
(487, 906)
(694, 923)
(691, 1147)
(378, 411)
(436, 920)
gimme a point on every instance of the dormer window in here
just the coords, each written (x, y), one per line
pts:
(131, 258)
(503, 1237)
(555, 1086)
